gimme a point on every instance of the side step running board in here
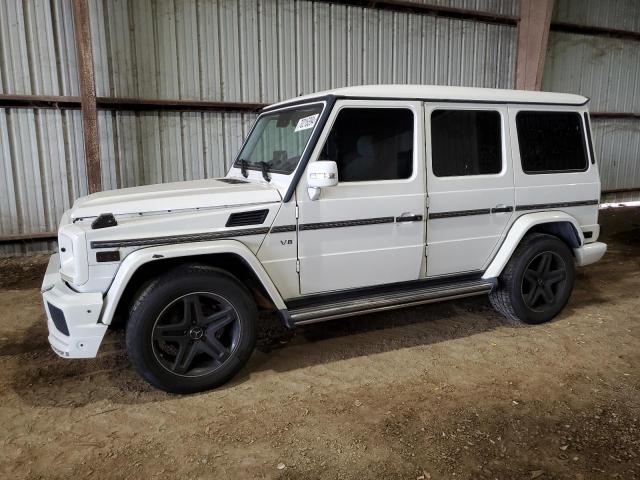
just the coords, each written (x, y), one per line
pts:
(388, 301)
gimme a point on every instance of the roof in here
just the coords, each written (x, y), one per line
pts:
(443, 93)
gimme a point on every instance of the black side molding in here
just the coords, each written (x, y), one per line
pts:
(173, 239)
(544, 206)
(346, 223)
(519, 208)
(459, 213)
(409, 218)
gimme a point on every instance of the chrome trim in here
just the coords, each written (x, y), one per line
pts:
(378, 303)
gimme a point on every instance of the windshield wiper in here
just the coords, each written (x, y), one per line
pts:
(265, 170)
(243, 167)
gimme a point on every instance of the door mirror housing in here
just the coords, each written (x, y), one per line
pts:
(323, 173)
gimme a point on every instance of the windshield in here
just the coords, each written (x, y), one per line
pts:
(278, 139)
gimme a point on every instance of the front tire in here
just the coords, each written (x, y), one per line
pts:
(537, 282)
(191, 330)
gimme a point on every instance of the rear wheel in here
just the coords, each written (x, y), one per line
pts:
(537, 281)
(191, 330)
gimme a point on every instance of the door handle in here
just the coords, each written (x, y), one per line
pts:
(409, 218)
(501, 209)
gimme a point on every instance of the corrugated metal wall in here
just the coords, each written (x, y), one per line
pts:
(224, 50)
(271, 50)
(607, 70)
(619, 14)
(140, 148)
(263, 51)
(502, 7)
(617, 143)
(42, 167)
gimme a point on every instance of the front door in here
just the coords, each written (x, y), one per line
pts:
(470, 185)
(369, 229)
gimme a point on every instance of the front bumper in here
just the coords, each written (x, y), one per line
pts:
(72, 317)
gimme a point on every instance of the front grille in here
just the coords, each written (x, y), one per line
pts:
(57, 317)
(242, 219)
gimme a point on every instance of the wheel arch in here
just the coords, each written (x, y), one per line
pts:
(229, 255)
(559, 224)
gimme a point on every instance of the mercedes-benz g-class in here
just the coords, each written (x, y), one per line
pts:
(348, 201)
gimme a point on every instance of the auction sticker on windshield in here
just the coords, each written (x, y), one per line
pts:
(306, 123)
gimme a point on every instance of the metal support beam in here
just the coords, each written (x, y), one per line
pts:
(29, 237)
(149, 104)
(533, 33)
(624, 115)
(591, 30)
(84, 56)
(130, 104)
(411, 6)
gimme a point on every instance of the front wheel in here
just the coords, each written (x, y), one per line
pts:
(191, 330)
(537, 282)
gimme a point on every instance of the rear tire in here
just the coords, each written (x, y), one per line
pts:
(191, 329)
(537, 282)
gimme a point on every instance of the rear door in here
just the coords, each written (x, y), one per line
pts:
(469, 183)
(553, 167)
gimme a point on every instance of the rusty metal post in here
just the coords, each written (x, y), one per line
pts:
(84, 55)
(533, 34)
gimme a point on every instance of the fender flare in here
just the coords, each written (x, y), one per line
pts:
(136, 259)
(519, 229)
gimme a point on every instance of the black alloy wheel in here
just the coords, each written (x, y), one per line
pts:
(543, 280)
(196, 333)
(191, 329)
(537, 281)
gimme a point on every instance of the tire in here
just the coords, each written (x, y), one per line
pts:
(191, 329)
(537, 281)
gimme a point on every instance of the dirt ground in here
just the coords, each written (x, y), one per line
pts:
(446, 391)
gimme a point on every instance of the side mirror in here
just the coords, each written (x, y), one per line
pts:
(321, 174)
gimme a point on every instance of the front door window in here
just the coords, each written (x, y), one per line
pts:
(371, 144)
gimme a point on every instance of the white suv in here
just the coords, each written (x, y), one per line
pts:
(353, 200)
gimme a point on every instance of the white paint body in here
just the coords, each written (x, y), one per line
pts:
(290, 258)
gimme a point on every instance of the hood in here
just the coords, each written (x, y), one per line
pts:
(175, 196)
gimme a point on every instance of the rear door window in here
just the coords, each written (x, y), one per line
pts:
(465, 142)
(551, 142)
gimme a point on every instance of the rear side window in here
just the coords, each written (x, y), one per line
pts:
(551, 142)
(465, 142)
(371, 144)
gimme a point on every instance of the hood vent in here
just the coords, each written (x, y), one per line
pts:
(242, 219)
(233, 181)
